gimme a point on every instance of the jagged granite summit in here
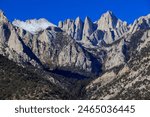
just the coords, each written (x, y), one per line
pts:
(108, 28)
(106, 59)
(49, 49)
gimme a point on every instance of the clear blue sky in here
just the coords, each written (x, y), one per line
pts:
(55, 10)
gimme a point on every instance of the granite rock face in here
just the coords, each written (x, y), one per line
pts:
(112, 55)
(109, 25)
(113, 27)
(50, 48)
(74, 28)
(130, 79)
(10, 43)
(141, 23)
(58, 50)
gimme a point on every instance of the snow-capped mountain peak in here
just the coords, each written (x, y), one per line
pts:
(33, 25)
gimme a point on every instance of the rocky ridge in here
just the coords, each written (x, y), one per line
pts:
(107, 59)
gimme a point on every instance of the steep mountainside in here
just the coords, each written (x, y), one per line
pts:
(130, 80)
(49, 49)
(22, 83)
(106, 59)
(108, 28)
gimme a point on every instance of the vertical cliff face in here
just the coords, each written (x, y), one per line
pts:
(10, 42)
(114, 28)
(129, 80)
(78, 30)
(116, 53)
(68, 26)
(69, 45)
(3, 17)
(108, 21)
(48, 48)
(74, 28)
(110, 26)
(88, 28)
(141, 23)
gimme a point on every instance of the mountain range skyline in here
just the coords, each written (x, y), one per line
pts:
(78, 17)
(77, 59)
(125, 10)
